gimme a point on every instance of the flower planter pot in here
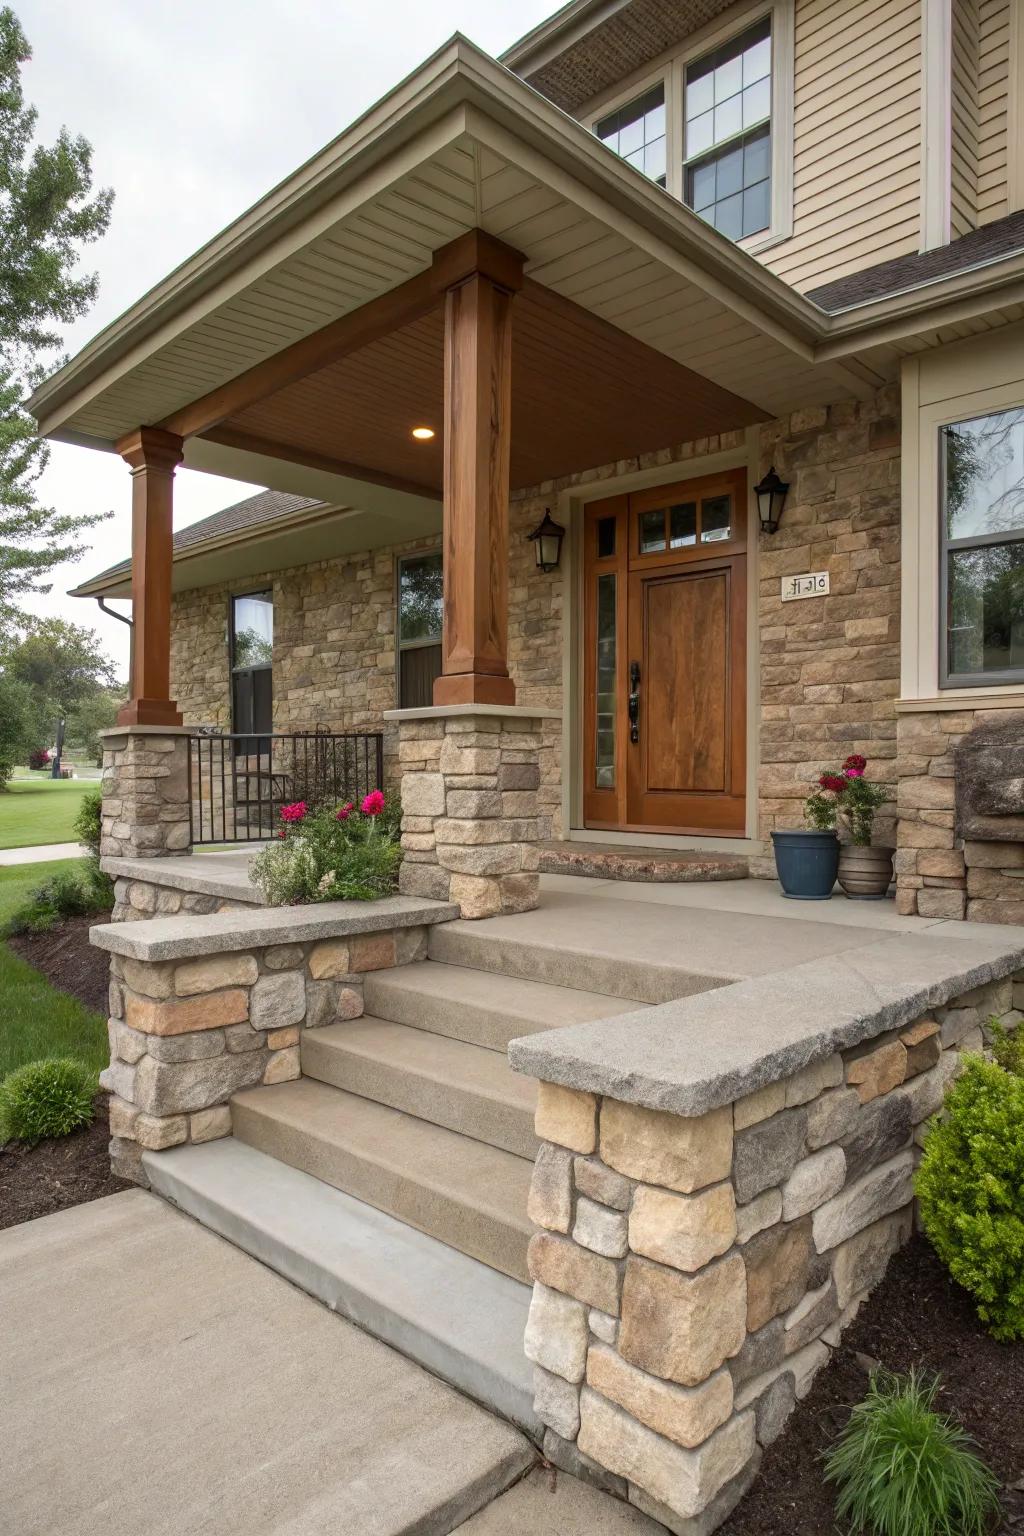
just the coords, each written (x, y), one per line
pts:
(807, 863)
(865, 874)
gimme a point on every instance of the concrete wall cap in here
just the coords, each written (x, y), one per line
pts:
(175, 938)
(458, 711)
(760, 1030)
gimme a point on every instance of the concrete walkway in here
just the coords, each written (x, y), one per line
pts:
(157, 1381)
(42, 853)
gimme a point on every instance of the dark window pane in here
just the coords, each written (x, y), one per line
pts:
(729, 216)
(757, 101)
(757, 208)
(986, 609)
(605, 537)
(652, 531)
(417, 668)
(701, 192)
(604, 745)
(984, 475)
(420, 598)
(715, 519)
(682, 523)
(654, 161)
(757, 157)
(254, 630)
(637, 132)
(730, 173)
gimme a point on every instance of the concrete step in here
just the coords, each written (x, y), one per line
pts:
(613, 861)
(458, 1318)
(478, 1007)
(447, 1082)
(461, 1191)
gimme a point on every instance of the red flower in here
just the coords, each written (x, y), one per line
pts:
(373, 804)
(282, 833)
(833, 782)
(296, 812)
(344, 811)
(856, 761)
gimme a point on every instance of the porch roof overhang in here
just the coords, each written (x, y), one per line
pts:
(463, 144)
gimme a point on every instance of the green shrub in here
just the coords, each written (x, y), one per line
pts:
(46, 1098)
(335, 854)
(904, 1470)
(970, 1187)
(87, 822)
(71, 893)
(1007, 1047)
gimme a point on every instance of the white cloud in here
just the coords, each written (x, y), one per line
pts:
(194, 110)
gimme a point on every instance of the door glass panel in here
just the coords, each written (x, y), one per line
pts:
(652, 531)
(604, 744)
(715, 519)
(683, 524)
(605, 538)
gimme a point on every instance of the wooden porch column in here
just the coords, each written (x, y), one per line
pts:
(479, 277)
(152, 455)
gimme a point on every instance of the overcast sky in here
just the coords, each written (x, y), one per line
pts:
(194, 110)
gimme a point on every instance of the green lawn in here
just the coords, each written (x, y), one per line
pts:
(35, 1019)
(36, 811)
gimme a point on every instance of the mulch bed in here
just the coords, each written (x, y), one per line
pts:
(35, 1181)
(916, 1317)
(68, 961)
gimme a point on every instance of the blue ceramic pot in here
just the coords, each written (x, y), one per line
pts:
(807, 863)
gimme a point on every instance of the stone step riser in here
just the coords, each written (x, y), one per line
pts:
(479, 1233)
(446, 1103)
(389, 996)
(577, 970)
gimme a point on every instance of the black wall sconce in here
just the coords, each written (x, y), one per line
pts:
(547, 542)
(771, 498)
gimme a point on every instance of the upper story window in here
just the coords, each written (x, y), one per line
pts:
(637, 132)
(727, 134)
(982, 486)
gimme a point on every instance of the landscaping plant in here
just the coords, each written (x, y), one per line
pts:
(46, 1098)
(902, 1469)
(337, 853)
(844, 797)
(970, 1185)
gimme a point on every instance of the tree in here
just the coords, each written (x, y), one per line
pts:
(96, 713)
(17, 725)
(47, 215)
(62, 667)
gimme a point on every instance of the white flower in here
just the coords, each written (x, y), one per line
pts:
(327, 881)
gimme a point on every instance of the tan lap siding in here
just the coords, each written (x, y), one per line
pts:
(993, 95)
(965, 128)
(857, 143)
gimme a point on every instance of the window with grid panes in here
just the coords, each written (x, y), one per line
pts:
(637, 133)
(727, 152)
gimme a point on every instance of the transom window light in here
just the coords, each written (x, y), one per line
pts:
(727, 149)
(637, 133)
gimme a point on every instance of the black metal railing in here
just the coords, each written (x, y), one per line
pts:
(238, 783)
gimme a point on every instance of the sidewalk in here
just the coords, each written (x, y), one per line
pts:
(41, 854)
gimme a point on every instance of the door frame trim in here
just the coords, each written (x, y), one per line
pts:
(570, 504)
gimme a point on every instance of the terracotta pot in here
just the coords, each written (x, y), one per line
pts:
(865, 874)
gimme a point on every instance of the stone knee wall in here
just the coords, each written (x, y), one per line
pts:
(470, 821)
(186, 1034)
(145, 809)
(693, 1274)
(940, 871)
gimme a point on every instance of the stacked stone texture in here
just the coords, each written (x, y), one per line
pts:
(186, 1034)
(135, 900)
(830, 666)
(692, 1274)
(939, 873)
(145, 795)
(470, 822)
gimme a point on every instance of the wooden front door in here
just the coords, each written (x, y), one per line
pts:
(665, 659)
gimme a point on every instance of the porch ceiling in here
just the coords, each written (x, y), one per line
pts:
(583, 392)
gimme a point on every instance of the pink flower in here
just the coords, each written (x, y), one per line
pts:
(854, 773)
(282, 833)
(344, 811)
(296, 812)
(373, 804)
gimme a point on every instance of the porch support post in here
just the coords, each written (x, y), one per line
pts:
(152, 456)
(479, 277)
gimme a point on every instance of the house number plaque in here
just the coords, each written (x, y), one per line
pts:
(815, 584)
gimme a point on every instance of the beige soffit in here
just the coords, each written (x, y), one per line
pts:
(463, 105)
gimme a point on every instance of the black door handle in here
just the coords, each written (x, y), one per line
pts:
(634, 701)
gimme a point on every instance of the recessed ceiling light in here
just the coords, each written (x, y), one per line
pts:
(423, 433)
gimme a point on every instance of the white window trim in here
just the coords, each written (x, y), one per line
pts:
(670, 69)
(922, 627)
(937, 124)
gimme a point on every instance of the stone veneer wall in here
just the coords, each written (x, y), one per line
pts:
(939, 873)
(692, 1274)
(186, 1034)
(830, 666)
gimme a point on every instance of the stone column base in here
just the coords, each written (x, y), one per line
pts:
(145, 792)
(470, 809)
